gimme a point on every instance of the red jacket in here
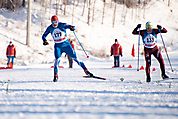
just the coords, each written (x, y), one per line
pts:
(11, 50)
(116, 49)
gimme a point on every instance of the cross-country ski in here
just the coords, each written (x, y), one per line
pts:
(96, 77)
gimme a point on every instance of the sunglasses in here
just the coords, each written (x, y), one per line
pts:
(54, 22)
(148, 26)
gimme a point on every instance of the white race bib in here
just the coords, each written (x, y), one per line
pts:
(149, 41)
(58, 35)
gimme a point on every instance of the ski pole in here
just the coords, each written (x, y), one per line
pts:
(165, 50)
(138, 50)
(81, 45)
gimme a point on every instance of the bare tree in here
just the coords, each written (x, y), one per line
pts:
(114, 15)
(83, 8)
(73, 12)
(89, 7)
(65, 4)
(169, 2)
(56, 7)
(104, 2)
(23, 3)
(93, 10)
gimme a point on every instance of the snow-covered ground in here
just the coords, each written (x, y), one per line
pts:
(27, 91)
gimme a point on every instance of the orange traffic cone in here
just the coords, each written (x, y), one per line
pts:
(154, 69)
(141, 68)
(130, 66)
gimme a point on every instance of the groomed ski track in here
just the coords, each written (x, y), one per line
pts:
(29, 92)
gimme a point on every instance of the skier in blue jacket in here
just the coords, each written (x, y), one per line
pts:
(58, 32)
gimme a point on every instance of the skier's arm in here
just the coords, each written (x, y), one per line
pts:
(163, 30)
(135, 31)
(72, 28)
(45, 34)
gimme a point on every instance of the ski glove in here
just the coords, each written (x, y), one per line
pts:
(121, 55)
(111, 54)
(159, 26)
(72, 28)
(139, 26)
(45, 42)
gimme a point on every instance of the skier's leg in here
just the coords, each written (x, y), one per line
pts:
(71, 52)
(57, 54)
(148, 64)
(158, 56)
(70, 61)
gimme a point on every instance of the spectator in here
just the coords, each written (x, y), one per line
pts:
(116, 50)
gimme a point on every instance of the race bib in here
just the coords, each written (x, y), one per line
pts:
(58, 35)
(149, 41)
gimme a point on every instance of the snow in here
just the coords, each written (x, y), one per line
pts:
(27, 91)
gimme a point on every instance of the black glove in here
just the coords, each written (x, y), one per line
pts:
(159, 26)
(72, 28)
(111, 54)
(121, 55)
(45, 42)
(139, 26)
(14, 56)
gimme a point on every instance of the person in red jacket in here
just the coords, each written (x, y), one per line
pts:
(10, 53)
(69, 58)
(116, 50)
(149, 38)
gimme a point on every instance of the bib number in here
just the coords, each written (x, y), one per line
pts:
(151, 39)
(58, 34)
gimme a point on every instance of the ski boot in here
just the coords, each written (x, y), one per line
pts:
(88, 73)
(164, 76)
(148, 79)
(55, 77)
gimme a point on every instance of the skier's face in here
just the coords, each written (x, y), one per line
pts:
(55, 23)
(149, 29)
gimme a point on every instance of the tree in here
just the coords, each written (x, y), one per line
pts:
(83, 8)
(89, 7)
(23, 3)
(103, 10)
(114, 15)
(93, 10)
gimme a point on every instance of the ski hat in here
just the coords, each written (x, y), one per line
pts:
(54, 19)
(115, 40)
(148, 24)
(10, 43)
